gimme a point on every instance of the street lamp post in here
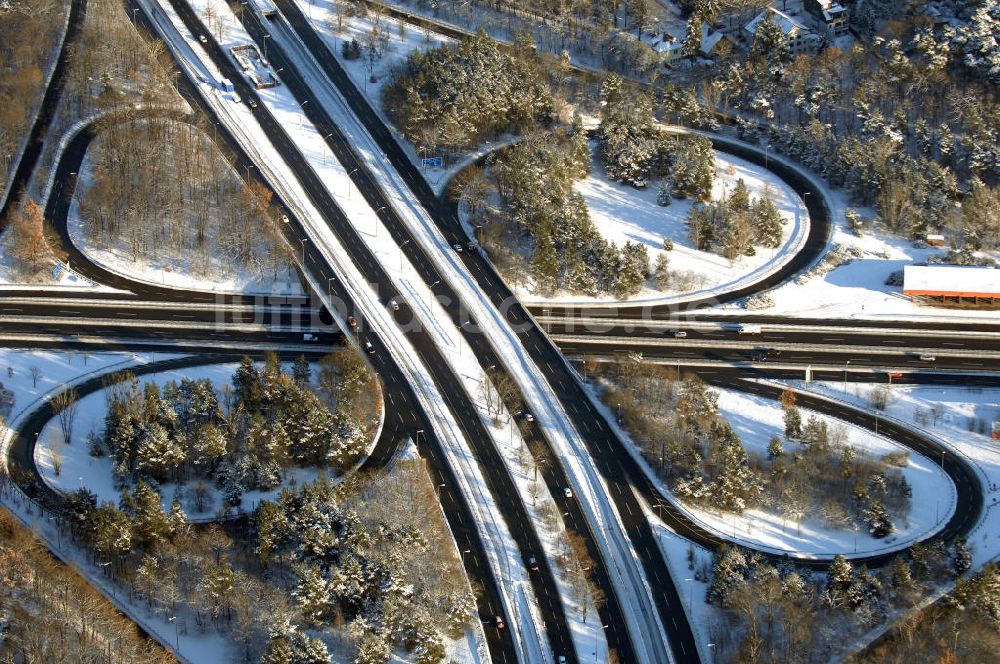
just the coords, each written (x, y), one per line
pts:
(302, 107)
(177, 636)
(846, 364)
(402, 244)
(303, 241)
(324, 145)
(349, 183)
(431, 289)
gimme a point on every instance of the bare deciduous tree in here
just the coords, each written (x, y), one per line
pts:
(65, 406)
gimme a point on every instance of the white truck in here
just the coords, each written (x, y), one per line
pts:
(748, 328)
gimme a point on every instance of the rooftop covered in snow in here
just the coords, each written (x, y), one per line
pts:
(786, 23)
(951, 280)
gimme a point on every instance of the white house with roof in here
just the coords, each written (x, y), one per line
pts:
(800, 38)
(670, 46)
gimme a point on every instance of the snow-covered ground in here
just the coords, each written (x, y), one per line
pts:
(756, 420)
(79, 469)
(174, 271)
(856, 289)
(625, 214)
(401, 39)
(55, 369)
(701, 615)
(947, 414)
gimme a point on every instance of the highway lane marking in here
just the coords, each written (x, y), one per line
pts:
(71, 313)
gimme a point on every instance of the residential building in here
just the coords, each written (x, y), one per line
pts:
(829, 17)
(800, 38)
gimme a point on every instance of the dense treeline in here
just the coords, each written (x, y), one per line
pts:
(266, 421)
(786, 614)
(162, 191)
(907, 124)
(634, 150)
(351, 571)
(52, 614)
(962, 627)
(363, 556)
(814, 471)
(348, 571)
(28, 34)
(456, 95)
(603, 32)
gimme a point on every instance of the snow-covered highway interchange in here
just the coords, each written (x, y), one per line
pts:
(367, 229)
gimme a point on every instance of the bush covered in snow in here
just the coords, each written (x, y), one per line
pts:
(759, 301)
(733, 226)
(840, 254)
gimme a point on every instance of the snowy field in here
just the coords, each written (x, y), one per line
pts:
(756, 420)
(625, 214)
(78, 468)
(956, 407)
(56, 369)
(177, 271)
